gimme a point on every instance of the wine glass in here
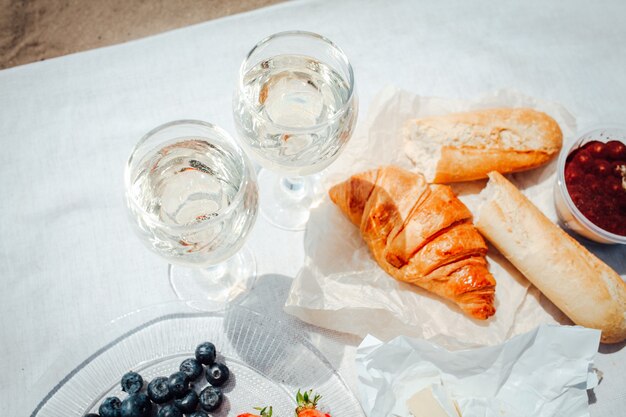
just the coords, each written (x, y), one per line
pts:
(295, 108)
(192, 195)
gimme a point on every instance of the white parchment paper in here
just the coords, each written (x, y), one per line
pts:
(341, 287)
(542, 373)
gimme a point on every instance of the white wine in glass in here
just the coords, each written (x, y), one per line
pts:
(192, 195)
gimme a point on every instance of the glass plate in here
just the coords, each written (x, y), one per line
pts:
(269, 362)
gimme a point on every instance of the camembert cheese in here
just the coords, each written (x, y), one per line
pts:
(425, 404)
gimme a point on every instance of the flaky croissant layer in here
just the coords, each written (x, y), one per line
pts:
(420, 233)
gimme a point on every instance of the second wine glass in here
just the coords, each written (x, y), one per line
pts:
(295, 108)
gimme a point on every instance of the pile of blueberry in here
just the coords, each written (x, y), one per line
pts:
(174, 396)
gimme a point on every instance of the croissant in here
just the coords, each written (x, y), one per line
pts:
(420, 233)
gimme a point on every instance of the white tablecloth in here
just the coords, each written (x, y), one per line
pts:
(69, 262)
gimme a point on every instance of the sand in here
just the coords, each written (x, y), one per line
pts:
(34, 30)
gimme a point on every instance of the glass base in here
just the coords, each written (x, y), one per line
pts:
(286, 202)
(218, 284)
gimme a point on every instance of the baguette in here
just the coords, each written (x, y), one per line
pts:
(587, 290)
(467, 146)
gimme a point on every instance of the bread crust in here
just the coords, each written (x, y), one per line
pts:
(467, 146)
(467, 164)
(351, 198)
(587, 290)
(439, 210)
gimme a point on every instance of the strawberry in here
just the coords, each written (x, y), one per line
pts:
(263, 412)
(307, 405)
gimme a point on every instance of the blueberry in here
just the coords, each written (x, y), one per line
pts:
(136, 405)
(132, 382)
(217, 374)
(159, 390)
(110, 407)
(205, 353)
(91, 415)
(188, 403)
(210, 398)
(179, 384)
(192, 368)
(169, 410)
(198, 414)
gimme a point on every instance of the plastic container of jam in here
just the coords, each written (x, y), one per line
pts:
(590, 190)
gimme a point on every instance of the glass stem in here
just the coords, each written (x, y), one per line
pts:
(295, 187)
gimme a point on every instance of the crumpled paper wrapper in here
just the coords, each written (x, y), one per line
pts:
(542, 373)
(340, 286)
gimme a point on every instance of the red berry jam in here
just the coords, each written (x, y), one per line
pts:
(595, 176)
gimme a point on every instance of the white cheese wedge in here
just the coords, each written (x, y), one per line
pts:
(432, 401)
